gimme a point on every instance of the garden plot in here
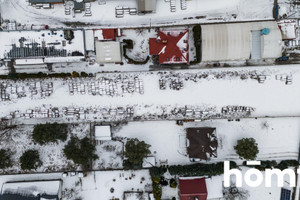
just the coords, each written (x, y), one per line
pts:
(168, 144)
(110, 155)
(112, 184)
(140, 38)
(19, 139)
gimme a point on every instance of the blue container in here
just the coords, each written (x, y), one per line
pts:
(265, 31)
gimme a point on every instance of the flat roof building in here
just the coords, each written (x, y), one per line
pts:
(146, 5)
(102, 133)
(45, 1)
(240, 41)
(32, 190)
(108, 52)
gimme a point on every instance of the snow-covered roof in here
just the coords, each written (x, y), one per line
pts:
(233, 41)
(214, 186)
(34, 61)
(288, 29)
(146, 5)
(149, 162)
(44, 43)
(102, 133)
(108, 52)
(33, 188)
(46, 1)
(89, 40)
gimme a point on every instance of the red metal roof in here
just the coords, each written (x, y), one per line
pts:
(171, 46)
(105, 34)
(190, 189)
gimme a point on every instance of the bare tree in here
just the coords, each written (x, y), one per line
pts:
(235, 193)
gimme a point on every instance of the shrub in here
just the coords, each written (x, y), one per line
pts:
(157, 191)
(82, 151)
(45, 133)
(30, 160)
(75, 74)
(247, 148)
(287, 163)
(199, 169)
(83, 74)
(163, 181)
(5, 158)
(135, 151)
(173, 183)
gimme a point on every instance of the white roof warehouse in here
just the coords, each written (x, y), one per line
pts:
(240, 41)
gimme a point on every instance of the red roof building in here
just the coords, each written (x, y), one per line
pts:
(105, 34)
(193, 189)
(171, 46)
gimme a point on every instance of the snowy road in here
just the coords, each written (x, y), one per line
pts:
(104, 15)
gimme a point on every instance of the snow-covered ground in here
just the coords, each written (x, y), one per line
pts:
(204, 92)
(165, 136)
(95, 185)
(212, 11)
(19, 139)
(98, 185)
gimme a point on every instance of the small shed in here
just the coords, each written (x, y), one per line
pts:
(108, 52)
(102, 133)
(288, 29)
(149, 162)
(79, 6)
(146, 6)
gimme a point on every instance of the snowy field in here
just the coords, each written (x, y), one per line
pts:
(212, 11)
(165, 136)
(137, 96)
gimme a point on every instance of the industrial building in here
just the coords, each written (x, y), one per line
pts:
(32, 190)
(240, 41)
(44, 46)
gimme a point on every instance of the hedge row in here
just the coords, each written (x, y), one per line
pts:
(268, 164)
(23, 76)
(129, 45)
(198, 169)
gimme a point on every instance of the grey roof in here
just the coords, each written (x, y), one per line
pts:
(78, 5)
(146, 5)
(46, 1)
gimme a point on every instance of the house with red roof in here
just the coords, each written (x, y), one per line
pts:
(171, 46)
(192, 189)
(105, 34)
